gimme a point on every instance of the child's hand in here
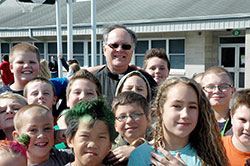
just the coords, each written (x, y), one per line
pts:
(59, 56)
(168, 160)
(120, 154)
(60, 136)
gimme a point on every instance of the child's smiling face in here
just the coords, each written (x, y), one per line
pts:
(131, 129)
(91, 145)
(25, 66)
(39, 126)
(241, 126)
(180, 112)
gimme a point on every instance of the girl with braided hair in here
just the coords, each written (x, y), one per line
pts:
(186, 131)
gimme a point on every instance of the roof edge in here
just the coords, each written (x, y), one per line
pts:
(132, 22)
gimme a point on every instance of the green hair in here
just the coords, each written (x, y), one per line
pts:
(96, 109)
(24, 139)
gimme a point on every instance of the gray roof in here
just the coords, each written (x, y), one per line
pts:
(134, 13)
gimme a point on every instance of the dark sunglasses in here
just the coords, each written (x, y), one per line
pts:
(124, 46)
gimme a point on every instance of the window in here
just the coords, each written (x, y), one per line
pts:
(158, 44)
(232, 40)
(52, 50)
(177, 53)
(99, 53)
(40, 46)
(175, 50)
(140, 50)
(78, 51)
(5, 48)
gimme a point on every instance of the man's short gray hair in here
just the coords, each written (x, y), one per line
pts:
(110, 27)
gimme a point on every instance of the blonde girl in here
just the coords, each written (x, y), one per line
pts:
(186, 131)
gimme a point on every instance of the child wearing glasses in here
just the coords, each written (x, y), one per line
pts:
(217, 84)
(238, 146)
(132, 119)
(186, 131)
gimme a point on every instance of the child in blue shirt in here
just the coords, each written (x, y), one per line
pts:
(186, 132)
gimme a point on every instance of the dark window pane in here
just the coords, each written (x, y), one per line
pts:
(139, 60)
(177, 61)
(80, 59)
(97, 58)
(242, 57)
(141, 47)
(52, 48)
(159, 44)
(176, 46)
(40, 46)
(97, 47)
(242, 80)
(89, 47)
(13, 44)
(5, 48)
(228, 56)
(228, 40)
(64, 47)
(78, 47)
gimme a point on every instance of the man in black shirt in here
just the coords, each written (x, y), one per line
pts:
(119, 45)
(53, 67)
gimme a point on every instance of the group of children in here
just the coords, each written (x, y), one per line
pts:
(181, 125)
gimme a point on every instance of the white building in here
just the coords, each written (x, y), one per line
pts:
(196, 34)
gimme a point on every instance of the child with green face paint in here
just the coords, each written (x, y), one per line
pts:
(90, 132)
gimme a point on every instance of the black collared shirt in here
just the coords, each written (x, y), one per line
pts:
(110, 80)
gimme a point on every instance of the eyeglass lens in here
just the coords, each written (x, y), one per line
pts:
(124, 46)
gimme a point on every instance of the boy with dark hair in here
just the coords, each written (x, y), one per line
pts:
(157, 64)
(132, 119)
(90, 132)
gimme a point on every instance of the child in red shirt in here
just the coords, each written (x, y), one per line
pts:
(6, 75)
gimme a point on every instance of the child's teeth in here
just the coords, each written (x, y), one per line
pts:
(41, 144)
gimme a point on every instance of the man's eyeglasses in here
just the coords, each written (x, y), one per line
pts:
(134, 116)
(222, 87)
(124, 46)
